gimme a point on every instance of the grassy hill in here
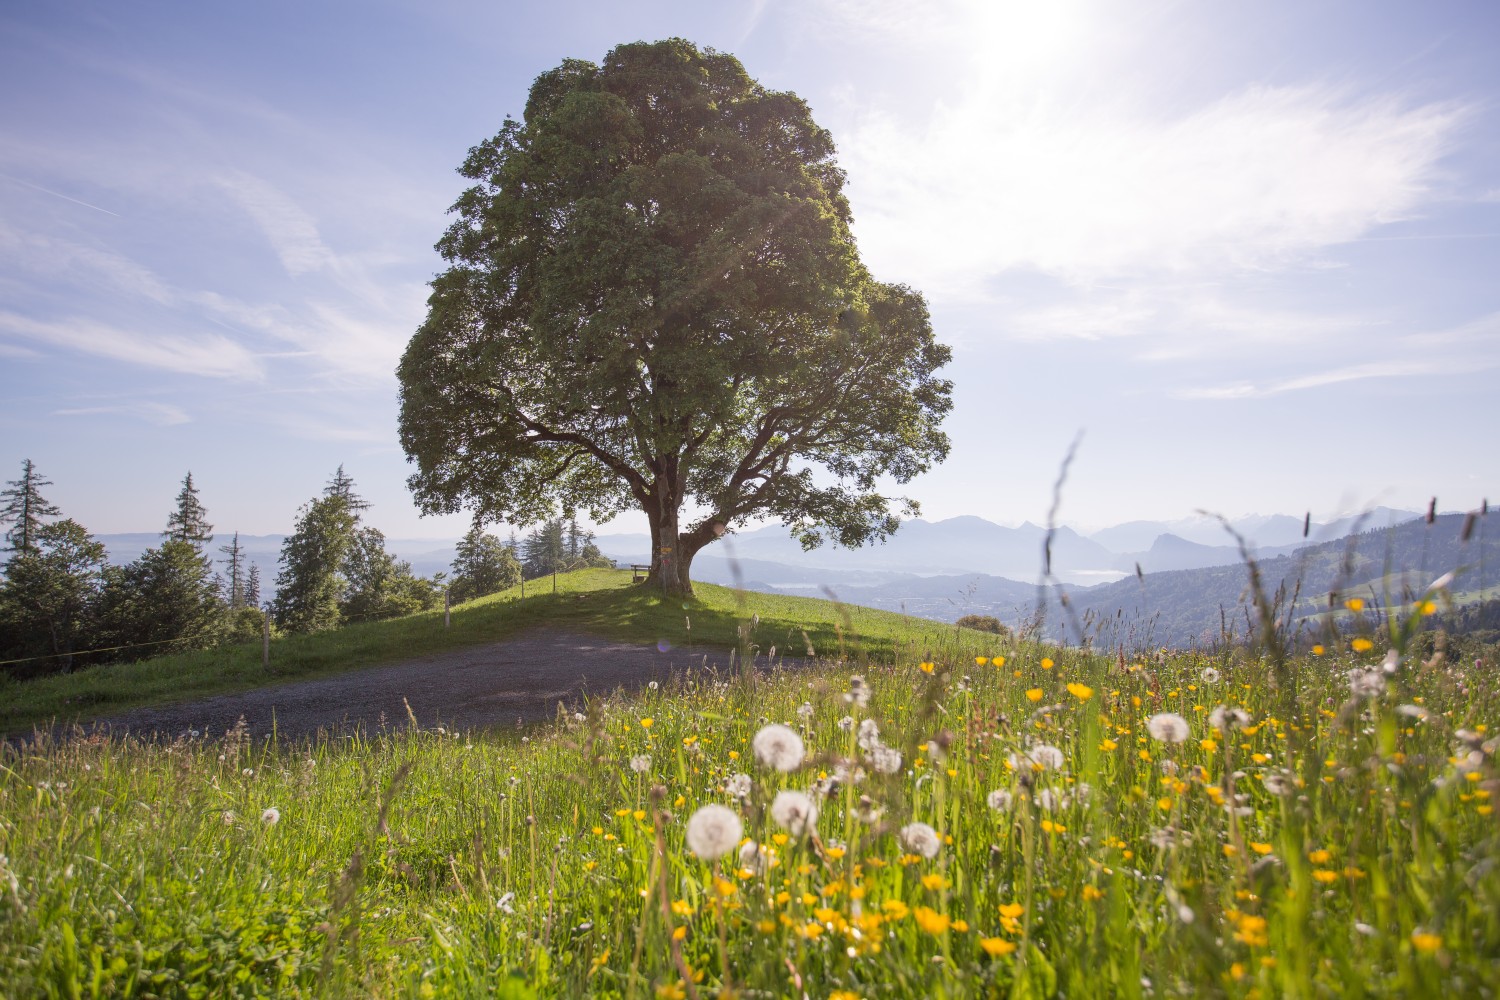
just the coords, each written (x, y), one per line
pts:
(599, 602)
(1057, 825)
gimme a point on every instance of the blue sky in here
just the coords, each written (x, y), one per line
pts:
(1248, 250)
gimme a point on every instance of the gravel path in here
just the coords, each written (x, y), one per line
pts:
(509, 683)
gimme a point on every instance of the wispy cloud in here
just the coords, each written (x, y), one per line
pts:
(293, 233)
(208, 355)
(1257, 181)
(1352, 373)
(61, 259)
(160, 414)
(1027, 148)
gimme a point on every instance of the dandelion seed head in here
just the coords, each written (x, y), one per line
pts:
(1209, 675)
(271, 816)
(713, 831)
(795, 812)
(1167, 727)
(885, 760)
(777, 746)
(999, 799)
(640, 763)
(738, 786)
(919, 838)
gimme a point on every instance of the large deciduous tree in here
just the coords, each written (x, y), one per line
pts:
(653, 299)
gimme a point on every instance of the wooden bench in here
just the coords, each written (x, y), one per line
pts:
(638, 573)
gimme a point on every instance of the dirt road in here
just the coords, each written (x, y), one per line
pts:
(517, 681)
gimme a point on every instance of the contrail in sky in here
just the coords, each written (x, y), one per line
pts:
(57, 194)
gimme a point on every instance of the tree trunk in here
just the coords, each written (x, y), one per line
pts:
(670, 559)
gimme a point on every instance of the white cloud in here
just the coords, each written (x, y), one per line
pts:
(61, 259)
(161, 414)
(292, 232)
(209, 355)
(1255, 181)
(1047, 137)
(1352, 373)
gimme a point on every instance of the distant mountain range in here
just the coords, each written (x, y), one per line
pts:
(1167, 579)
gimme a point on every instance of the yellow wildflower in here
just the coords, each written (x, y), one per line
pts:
(930, 920)
(997, 947)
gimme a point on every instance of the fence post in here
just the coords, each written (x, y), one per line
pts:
(265, 640)
(447, 607)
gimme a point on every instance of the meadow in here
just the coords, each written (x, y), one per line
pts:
(919, 814)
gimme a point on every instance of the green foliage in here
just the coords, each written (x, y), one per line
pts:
(654, 297)
(49, 599)
(983, 623)
(378, 585)
(165, 601)
(25, 507)
(484, 565)
(309, 584)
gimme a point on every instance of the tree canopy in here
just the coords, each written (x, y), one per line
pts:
(653, 299)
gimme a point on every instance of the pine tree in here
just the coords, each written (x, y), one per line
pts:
(544, 550)
(484, 566)
(169, 599)
(165, 601)
(309, 585)
(234, 586)
(189, 522)
(252, 587)
(342, 485)
(25, 507)
(50, 598)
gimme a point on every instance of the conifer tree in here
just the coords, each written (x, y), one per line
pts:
(168, 599)
(25, 507)
(234, 586)
(342, 486)
(309, 585)
(484, 565)
(49, 598)
(189, 522)
(252, 587)
(544, 550)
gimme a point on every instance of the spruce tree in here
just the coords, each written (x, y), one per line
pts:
(342, 485)
(25, 507)
(309, 585)
(484, 565)
(50, 597)
(167, 600)
(252, 587)
(234, 585)
(189, 522)
(544, 550)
